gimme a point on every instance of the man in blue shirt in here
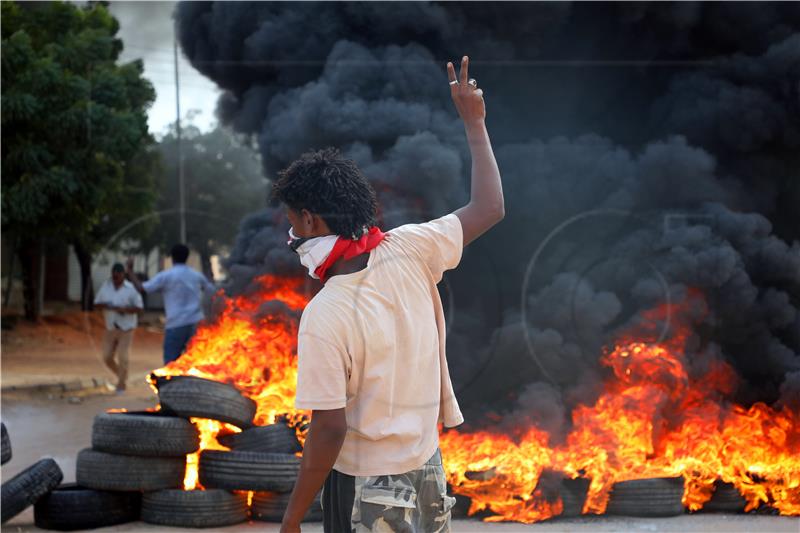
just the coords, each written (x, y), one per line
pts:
(182, 288)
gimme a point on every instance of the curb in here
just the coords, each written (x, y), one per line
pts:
(59, 387)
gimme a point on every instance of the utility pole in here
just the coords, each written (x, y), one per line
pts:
(182, 202)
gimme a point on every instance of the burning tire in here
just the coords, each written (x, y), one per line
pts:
(275, 438)
(5, 445)
(274, 472)
(270, 506)
(188, 396)
(28, 486)
(148, 434)
(554, 485)
(106, 471)
(647, 497)
(726, 499)
(194, 508)
(573, 496)
(71, 507)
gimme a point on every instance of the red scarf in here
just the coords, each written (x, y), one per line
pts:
(348, 249)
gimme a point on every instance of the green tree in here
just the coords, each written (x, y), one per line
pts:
(127, 217)
(74, 131)
(223, 180)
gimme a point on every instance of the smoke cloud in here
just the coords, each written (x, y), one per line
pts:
(649, 154)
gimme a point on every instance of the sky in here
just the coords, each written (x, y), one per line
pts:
(147, 32)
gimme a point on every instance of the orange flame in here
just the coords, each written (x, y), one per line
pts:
(656, 416)
(209, 429)
(253, 350)
(653, 419)
(513, 471)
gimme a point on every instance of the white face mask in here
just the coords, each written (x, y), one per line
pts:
(314, 251)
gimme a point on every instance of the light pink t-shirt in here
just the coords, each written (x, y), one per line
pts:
(373, 342)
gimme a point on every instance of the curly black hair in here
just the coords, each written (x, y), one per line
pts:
(327, 184)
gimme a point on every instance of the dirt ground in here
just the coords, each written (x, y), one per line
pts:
(67, 345)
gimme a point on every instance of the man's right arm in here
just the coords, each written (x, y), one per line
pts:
(100, 300)
(486, 206)
(148, 286)
(132, 277)
(323, 444)
(323, 367)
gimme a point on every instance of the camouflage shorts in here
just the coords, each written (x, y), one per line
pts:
(414, 502)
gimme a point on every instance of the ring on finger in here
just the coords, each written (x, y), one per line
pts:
(454, 82)
(473, 82)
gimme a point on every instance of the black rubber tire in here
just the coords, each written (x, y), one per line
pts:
(573, 496)
(274, 472)
(189, 396)
(647, 497)
(726, 499)
(107, 471)
(275, 438)
(554, 485)
(70, 507)
(270, 506)
(194, 508)
(5, 445)
(146, 434)
(27, 487)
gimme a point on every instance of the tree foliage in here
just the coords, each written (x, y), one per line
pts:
(74, 125)
(223, 180)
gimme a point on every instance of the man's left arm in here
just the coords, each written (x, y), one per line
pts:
(486, 205)
(322, 446)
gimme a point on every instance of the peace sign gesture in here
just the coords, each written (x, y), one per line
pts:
(466, 95)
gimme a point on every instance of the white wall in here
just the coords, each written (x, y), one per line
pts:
(149, 263)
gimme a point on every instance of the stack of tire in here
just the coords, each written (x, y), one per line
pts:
(132, 453)
(190, 397)
(29, 486)
(136, 465)
(261, 459)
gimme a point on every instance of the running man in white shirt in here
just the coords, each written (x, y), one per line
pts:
(371, 344)
(121, 303)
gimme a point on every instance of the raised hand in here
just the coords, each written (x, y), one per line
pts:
(467, 97)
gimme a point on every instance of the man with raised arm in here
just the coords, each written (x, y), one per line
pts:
(371, 343)
(183, 290)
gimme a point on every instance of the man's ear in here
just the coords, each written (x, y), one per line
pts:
(320, 226)
(314, 224)
(307, 220)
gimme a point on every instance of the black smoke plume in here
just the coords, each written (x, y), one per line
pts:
(647, 150)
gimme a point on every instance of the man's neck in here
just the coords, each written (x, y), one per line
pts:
(349, 266)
